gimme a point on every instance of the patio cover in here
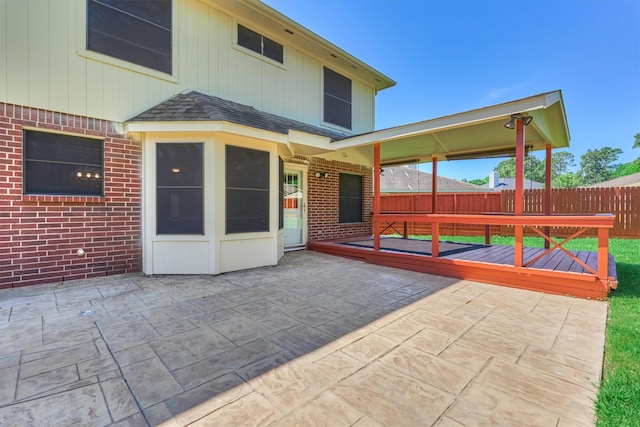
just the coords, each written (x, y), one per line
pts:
(475, 133)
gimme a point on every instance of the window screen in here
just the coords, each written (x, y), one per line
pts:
(350, 198)
(260, 44)
(247, 189)
(337, 99)
(134, 31)
(57, 164)
(179, 188)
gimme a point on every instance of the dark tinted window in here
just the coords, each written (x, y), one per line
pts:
(135, 31)
(337, 99)
(247, 188)
(350, 199)
(179, 188)
(260, 44)
(62, 164)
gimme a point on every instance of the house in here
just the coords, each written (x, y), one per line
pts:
(169, 137)
(499, 184)
(157, 137)
(632, 180)
(402, 179)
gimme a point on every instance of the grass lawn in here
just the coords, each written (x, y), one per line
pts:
(618, 402)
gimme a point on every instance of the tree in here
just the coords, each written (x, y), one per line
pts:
(561, 162)
(566, 180)
(636, 143)
(597, 165)
(479, 181)
(533, 168)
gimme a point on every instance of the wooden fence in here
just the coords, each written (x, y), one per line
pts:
(623, 202)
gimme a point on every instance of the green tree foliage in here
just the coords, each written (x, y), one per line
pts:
(626, 169)
(636, 143)
(561, 163)
(479, 181)
(566, 180)
(533, 168)
(598, 165)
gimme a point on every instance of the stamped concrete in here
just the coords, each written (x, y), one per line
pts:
(316, 340)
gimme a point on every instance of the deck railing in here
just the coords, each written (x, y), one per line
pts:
(601, 222)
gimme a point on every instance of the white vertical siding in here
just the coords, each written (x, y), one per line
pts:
(43, 63)
(17, 62)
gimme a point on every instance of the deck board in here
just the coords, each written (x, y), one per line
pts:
(556, 272)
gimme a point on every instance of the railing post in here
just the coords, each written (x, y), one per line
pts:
(603, 253)
(435, 239)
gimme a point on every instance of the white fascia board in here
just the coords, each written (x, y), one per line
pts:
(206, 126)
(500, 111)
(316, 144)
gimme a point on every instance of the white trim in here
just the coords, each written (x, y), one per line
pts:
(120, 63)
(304, 169)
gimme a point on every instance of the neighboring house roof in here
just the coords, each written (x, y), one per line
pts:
(510, 184)
(192, 106)
(405, 179)
(632, 180)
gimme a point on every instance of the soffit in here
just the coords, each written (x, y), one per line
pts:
(470, 133)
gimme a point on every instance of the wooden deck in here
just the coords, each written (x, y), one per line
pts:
(555, 273)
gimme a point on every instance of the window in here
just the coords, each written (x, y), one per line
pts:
(56, 164)
(350, 200)
(247, 189)
(337, 99)
(260, 44)
(134, 31)
(179, 188)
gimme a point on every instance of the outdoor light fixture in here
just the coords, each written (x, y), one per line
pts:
(322, 175)
(511, 124)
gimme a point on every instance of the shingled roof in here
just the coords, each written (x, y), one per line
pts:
(406, 179)
(632, 180)
(194, 106)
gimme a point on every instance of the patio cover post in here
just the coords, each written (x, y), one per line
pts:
(434, 185)
(435, 226)
(376, 196)
(547, 193)
(518, 209)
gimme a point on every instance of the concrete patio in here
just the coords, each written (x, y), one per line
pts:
(317, 340)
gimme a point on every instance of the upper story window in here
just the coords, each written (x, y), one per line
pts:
(65, 165)
(134, 31)
(337, 99)
(260, 44)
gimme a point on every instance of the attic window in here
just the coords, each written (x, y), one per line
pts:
(260, 44)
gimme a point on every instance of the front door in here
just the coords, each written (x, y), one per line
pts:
(294, 208)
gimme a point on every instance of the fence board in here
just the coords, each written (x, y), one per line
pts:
(622, 202)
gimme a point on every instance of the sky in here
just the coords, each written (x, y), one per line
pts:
(451, 56)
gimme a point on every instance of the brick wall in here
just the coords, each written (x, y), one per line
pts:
(323, 201)
(40, 235)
